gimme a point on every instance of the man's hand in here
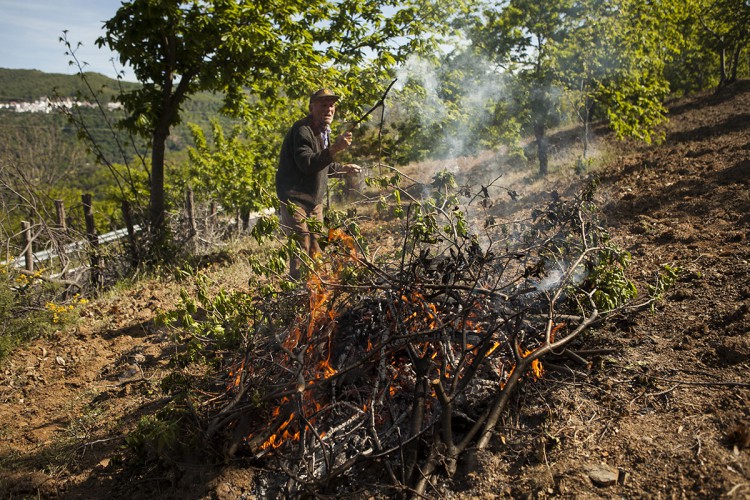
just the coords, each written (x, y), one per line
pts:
(341, 143)
(350, 168)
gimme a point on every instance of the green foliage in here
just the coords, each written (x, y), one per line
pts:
(444, 184)
(206, 324)
(238, 174)
(665, 279)
(695, 66)
(628, 77)
(423, 224)
(160, 438)
(264, 227)
(612, 288)
(724, 32)
(30, 310)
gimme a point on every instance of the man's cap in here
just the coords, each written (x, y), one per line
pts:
(324, 94)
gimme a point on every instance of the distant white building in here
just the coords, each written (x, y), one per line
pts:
(46, 105)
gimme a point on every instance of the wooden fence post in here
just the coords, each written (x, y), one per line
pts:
(93, 238)
(212, 214)
(60, 206)
(28, 251)
(190, 205)
(128, 217)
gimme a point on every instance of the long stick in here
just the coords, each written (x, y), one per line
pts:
(380, 102)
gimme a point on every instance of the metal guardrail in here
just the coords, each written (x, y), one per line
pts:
(44, 255)
(109, 237)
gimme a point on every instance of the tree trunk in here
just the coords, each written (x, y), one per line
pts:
(735, 62)
(542, 147)
(132, 242)
(588, 112)
(60, 207)
(190, 208)
(157, 205)
(28, 250)
(93, 239)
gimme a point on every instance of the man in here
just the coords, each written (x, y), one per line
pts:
(306, 161)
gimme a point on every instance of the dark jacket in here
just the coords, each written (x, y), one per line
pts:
(304, 166)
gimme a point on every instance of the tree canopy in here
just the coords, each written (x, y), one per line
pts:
(252, 51)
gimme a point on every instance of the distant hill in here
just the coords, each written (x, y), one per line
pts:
(31, 84)
(23, 85)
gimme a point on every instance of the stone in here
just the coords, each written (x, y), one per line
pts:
(602, 475)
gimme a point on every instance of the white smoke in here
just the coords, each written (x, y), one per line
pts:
(554, 279)
(479, 86)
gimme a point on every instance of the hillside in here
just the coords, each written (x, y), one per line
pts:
(659, 407)
(33, 85)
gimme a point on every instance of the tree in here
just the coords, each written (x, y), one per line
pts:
(231, 172)
(694, 66)
(521, 36)
(727, 24)
(253, 53)
(615, 57)
(610, 54)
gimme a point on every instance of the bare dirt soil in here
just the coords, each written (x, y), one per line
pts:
(659, 406)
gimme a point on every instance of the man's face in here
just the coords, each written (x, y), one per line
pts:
(322, 111)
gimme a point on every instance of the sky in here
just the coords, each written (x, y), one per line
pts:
(30, 32)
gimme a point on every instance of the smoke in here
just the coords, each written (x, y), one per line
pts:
(554, 279)
(421, 72)
(469, 115)
(454, 98)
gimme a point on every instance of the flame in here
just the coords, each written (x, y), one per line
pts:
(317, 357)
(537, 369)
(235, 375)
(425, 316)
(337, 235)
(275, 440)
(536, 366)
(495, 345)
(326, 368)
(556, 328)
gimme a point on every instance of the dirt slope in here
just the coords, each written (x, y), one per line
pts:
(666, 405)
(663, 403)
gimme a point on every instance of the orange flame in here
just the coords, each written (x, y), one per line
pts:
(274, 441)
(495, 345)
(235, 375)
(320, 314)
(556, 328)
(337, 235)
(536, 366)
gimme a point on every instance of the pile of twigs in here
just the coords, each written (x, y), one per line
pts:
(392, 378)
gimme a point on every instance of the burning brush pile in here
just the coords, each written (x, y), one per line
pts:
(385, 380)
